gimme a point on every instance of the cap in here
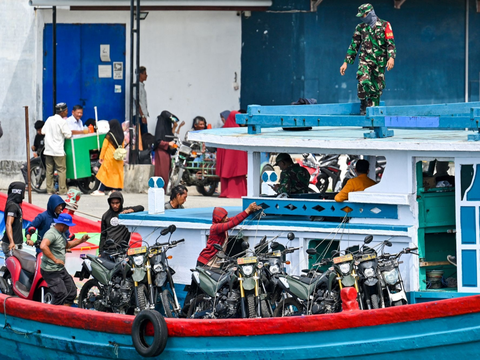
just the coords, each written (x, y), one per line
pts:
(64, 219)
(364, 9)
(60, 107)
(282, 157)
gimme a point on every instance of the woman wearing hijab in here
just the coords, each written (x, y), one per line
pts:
(111, 171)
(224, 116)
(164, 145)
(232, 167)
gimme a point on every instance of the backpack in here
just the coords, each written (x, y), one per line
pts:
(120, 153)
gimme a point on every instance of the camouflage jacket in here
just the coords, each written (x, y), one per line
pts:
(378, 45)
(294, 180)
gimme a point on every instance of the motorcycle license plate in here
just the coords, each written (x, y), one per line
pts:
(247, 260)
(366, 257)
(344, 258)
(135, 251)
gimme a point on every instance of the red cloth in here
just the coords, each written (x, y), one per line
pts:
(163, 162)
(232, 167)
(218, 232)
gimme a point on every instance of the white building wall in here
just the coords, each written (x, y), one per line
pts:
(191, 59)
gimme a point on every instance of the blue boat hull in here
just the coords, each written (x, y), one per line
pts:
(405, 338)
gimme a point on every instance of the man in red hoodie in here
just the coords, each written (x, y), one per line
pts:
(221, 223)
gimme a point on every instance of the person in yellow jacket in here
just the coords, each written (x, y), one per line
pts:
(111, 171)
(359, 183)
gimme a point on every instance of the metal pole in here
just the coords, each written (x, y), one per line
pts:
(130, 103)
(54, 58)
(137, 81)
(466, 48)
(27, 135)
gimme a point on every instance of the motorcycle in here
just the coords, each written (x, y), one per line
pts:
(21, 276)
(112, 287)
(38, 174)
(322, 170)
(389, 273)
(150, 265)
(344, 266)
(313, 293)
(189, 175)
(366, 262)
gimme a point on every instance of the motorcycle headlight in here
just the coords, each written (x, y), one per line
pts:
(345, 268)
(274, 269)
(158, 267)
(369, 272)
(391, 277)
(247, 270)
(138, 260)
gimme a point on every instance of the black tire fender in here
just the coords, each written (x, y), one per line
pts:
(160, 333)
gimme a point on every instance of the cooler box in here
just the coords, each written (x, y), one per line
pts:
(78, 149)
(73, 262)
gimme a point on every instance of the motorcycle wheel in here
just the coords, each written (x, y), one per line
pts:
(168, 304)
(266, 311)
(208, 190)
(201, 304)
(88, 185)
(251, 306)
(322, 183)
(37, 176)
(288, 307)
(90, 296)
(374, 299)
(143, 300)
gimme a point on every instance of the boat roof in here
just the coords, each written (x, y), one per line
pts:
(336, 140)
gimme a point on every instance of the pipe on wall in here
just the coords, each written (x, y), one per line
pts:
(466, 48)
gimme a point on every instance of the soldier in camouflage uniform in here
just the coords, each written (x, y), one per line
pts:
(377, 53)
(294, 179)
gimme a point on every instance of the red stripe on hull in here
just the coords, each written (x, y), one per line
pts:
(121, 324)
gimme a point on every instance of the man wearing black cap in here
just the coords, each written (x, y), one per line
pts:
(56, 130)
(294, 179)
(53, 246)
(13, 236)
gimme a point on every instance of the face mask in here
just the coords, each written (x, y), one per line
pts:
(370, 19)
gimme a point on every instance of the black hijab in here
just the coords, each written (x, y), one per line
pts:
(16, 192)
(164, 127)
(117, 132)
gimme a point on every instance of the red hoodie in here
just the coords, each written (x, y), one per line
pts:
(218, 232)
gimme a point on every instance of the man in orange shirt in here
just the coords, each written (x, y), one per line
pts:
(360, 183)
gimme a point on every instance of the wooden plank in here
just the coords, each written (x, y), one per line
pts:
(433, 263)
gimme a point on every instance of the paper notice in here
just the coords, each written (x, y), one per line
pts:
(118, 70)
(105, 52)
(104, 71)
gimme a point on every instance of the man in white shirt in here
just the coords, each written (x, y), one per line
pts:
(141, 105)
(75, 121)
(56, 130)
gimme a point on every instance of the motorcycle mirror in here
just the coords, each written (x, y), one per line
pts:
(218, 247)
(165, 231)
(290, 236)
(274, 244)
(110, 242)
(311, 251)
(388, 243)
(72, 237)
(245, 245)
(263, 239)
(31, 230)
(172, 228)
(368, 239)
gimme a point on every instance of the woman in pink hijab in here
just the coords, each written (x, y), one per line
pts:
(232, 167)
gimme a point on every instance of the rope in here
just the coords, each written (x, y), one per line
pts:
(7, 326)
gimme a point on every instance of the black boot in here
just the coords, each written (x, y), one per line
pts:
(363, 107)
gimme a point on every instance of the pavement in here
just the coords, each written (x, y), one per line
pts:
(93, 207)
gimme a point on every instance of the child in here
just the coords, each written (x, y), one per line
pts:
(38, 144)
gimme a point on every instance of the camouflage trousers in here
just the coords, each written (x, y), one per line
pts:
(371, 81)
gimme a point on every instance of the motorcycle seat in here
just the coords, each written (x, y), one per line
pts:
(106, 263)
(307, 279)
(28, 262)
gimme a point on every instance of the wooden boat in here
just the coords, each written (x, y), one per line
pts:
(427, 331)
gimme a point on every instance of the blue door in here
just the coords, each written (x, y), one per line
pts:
(467, 188)
(80, 80)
